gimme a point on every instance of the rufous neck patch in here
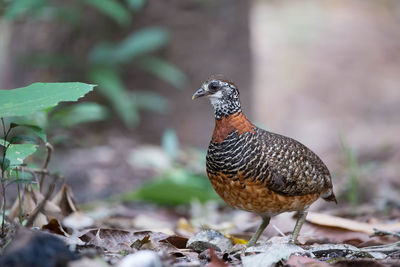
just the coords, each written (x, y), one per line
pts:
(228, 124)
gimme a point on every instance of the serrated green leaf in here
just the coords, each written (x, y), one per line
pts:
(164, 70)
(111, 8)
(16, 153)
(38, 96)
(136, 44)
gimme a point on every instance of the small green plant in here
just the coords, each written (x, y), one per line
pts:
(354, 173)
(180, 182)
(15, 147)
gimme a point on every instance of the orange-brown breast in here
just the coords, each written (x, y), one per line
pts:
(254, 196)
(228, 124)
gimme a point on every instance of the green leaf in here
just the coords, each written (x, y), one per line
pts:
(80, 113)
(176, 187)
(18, 8)
(23, 138)
(111, 86)
(136, 44)
(3, 142)
(111, 8)
(33, 129)
(150, 101)
(164, 70)
(170, 143)
(4, 165)
(16, 153)
(136, 4)
(38, 96)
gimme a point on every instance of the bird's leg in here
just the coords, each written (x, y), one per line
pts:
(299, 224)
(263, 225)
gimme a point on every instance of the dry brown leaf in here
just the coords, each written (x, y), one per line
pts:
(28, 205)
(65, 200)
(117, 240)
(301, 261)
(77, 221)
(348, 224)
(55, 227)
(138, 244)
(185, 225)
(50, 208)
(40, 220)
(215, 261)
(176, 241)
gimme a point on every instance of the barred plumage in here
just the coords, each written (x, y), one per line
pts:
(257, 170)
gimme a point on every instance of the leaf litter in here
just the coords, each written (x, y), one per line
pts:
(205, 234)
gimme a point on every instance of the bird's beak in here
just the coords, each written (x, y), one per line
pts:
(199, 93)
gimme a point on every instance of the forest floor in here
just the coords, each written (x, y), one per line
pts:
(114, 231)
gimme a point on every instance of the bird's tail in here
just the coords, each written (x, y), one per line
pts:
(328, 195)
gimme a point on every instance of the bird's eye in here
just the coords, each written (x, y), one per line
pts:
(213, 86)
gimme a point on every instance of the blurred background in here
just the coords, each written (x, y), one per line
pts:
(326, 73)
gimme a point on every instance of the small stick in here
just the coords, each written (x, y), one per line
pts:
(278, 230)
(384, 232)
(50, 149)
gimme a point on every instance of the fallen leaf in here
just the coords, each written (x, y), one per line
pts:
(144, 258)
(274, 251)
(215, 261)
(185, 226)
(65, 200)
(115, 240)
(55, 227)
(49, 208)
(77, 221)
(301, 261)
(28, 205)
(138, 244)
(352, 225)
(176, 241)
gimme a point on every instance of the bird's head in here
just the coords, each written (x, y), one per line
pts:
(223, 95)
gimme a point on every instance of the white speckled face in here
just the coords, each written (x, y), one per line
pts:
(223, 96)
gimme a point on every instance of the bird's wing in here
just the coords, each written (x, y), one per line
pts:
(292, 169)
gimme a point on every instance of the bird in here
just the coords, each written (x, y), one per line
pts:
(256, 170)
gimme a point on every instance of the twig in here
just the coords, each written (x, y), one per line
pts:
(278, 230)
(383, 232)
(383, 248)
(50, 149)
(40, 207)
